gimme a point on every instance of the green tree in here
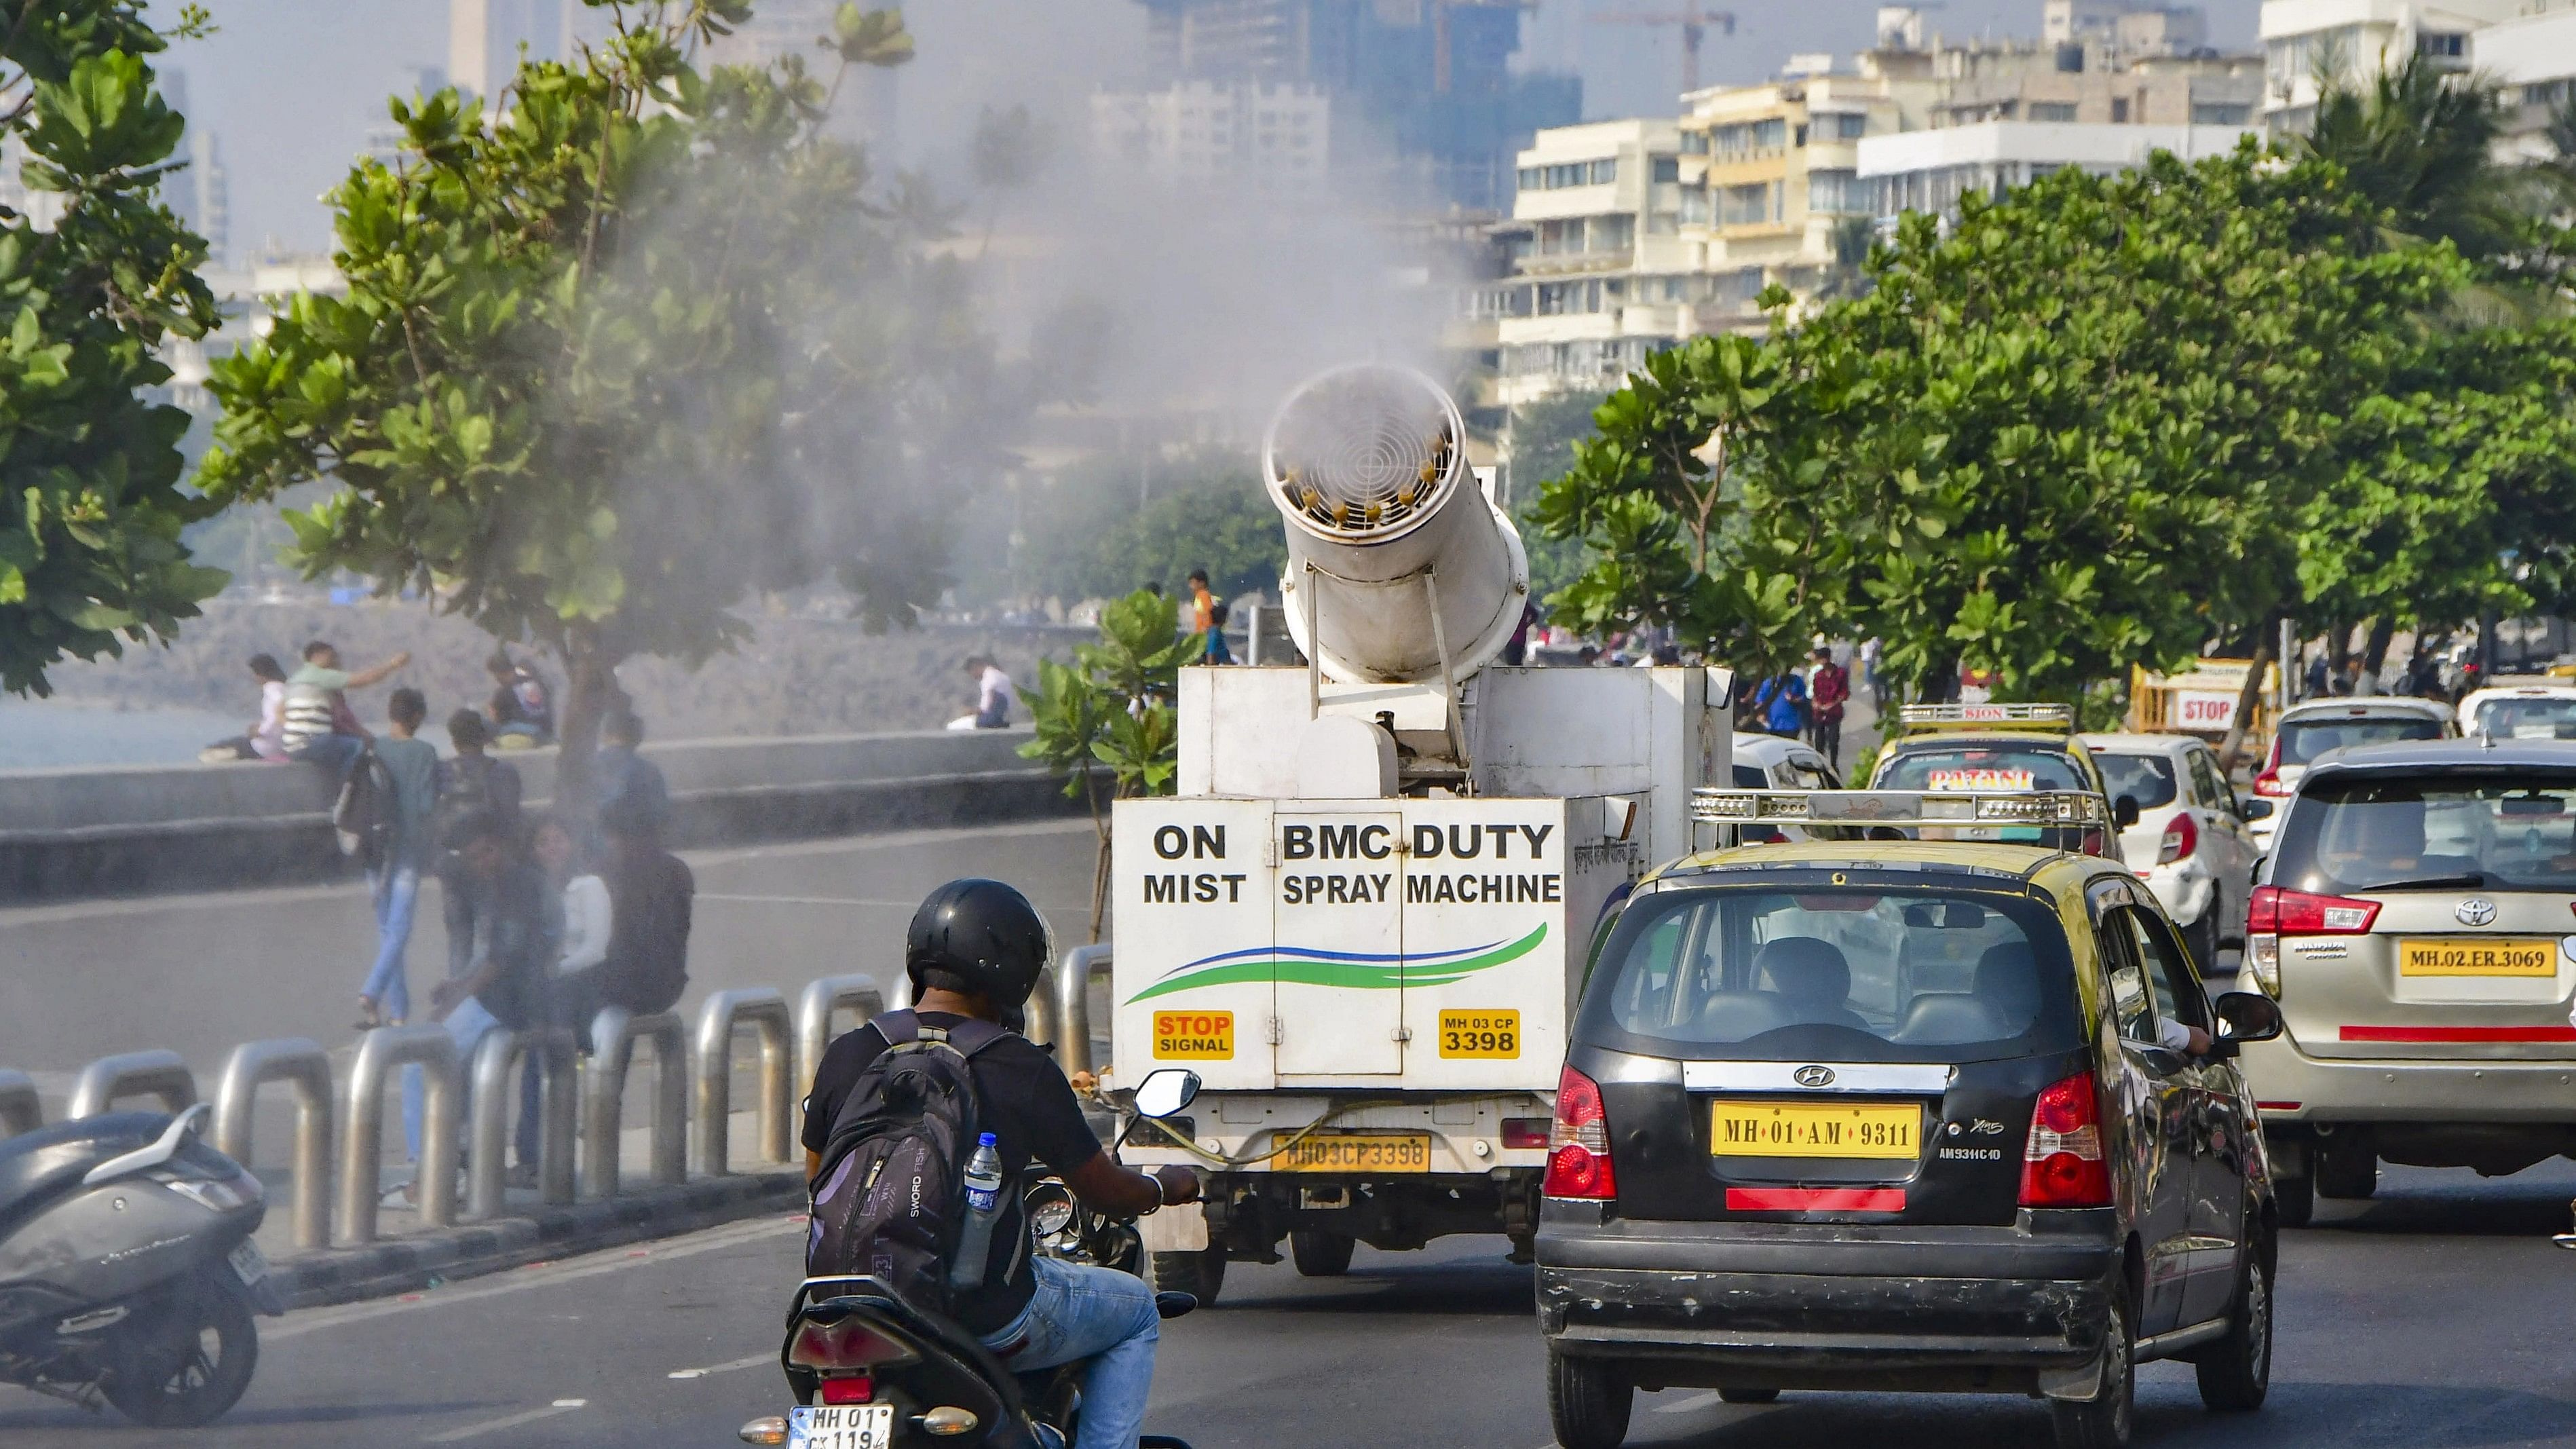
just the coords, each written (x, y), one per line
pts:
(2418, 141)
(1543, 438)
(90, 553)
(637, 344)
(1088, 537)
(1107, 721)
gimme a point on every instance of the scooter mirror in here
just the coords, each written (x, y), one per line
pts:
(1167, 1091)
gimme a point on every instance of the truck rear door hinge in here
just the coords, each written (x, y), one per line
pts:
(1404, 1033)
(1271, 1030)
(1270, 852)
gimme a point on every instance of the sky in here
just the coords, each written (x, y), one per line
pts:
(291, 87)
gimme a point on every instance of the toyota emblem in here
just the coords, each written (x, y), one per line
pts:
(1813, 1076)
(2475, 911)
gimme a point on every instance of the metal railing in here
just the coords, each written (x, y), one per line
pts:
(362, 1137)
(495, 1106)
(613, 1034)
(725, 1013)
(302, 1064)
(1073, 1005)
(21, 1110)
(815, 1008)
(105, 1082)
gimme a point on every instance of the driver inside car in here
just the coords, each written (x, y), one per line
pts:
(975, 950)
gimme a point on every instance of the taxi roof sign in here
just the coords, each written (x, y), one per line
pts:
(1899, 807)
(1972, 716)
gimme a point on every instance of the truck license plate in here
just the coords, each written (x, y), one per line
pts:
(1754, 1127)
(840, 1426)
(1358, 1152)
(2476, 956)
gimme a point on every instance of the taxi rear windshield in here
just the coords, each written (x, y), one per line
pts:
(2488, 830)
(2001, 768)
(1835, 972)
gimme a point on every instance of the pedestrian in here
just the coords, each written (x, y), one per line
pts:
(1516, 648)
(1202, 603)
(317, 725)
(503, 983)
(264, 740)
(2317, 677)
(1829, 688)
(1873, 660)
(522, 709)
(1217, 651)
(469, 783)
(652, 905)
(410, 847)
(621, 770)
(994, 696)
(577, 935)
(1781, 705)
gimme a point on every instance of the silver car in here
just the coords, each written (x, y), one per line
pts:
(2413, 922)
(2313, 727)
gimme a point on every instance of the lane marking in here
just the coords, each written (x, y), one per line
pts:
(1690, 1405)
(755, 1361)
(537, 1275)
(510, 1421)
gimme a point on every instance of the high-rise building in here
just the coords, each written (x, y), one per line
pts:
(485, 39)
(1273, 139)
(1425, 87)
(198, 194)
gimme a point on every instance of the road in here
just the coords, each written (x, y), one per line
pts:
(2432, 1318)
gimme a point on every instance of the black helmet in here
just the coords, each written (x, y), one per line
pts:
(982, 934)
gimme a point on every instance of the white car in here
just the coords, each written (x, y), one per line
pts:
(2193, 844)
(1769, 762)
(2311, 728)
(2533, 709)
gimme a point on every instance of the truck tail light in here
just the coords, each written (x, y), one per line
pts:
(1578, 1158)
(1526, 1132)
(2062, 1164)
(2181, 839)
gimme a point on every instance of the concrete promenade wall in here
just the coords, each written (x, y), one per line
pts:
(73, 833)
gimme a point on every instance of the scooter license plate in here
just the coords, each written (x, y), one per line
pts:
(247, 1262)
(840, 1426)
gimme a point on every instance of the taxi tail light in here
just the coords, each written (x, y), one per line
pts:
(2062, 1164)
(1578, 1156)
(849, 1389)
(2182, 837)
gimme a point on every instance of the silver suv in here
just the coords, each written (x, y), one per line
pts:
(2413, 922)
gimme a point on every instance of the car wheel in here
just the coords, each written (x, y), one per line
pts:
(1320, 1254)
(2294, 1197)
(2347, 1170)
(2105, 1421)
(1201, 1273)
(2236, 1371)
(1588, 1400)
(1749, 1396)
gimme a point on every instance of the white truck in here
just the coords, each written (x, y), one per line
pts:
(1365, 917)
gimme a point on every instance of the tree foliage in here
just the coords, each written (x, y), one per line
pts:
(1088, 536)
(1107, 721)
(90, 553)
(643, 340)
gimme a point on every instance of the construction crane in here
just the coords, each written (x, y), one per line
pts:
(1694, 23)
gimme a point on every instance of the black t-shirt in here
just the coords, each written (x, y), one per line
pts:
(1028, 1107)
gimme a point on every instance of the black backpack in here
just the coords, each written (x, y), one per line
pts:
(363, 813)
(890, 1199)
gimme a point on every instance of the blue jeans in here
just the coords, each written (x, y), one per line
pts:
(397, 890)
(1098, 1314)
(334, 753)
(466, 1026)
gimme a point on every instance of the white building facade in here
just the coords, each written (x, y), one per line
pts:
(1929, 170)
(1267, 137)
(2305, 41)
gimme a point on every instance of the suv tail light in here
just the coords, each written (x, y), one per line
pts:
(1578, 1158)
(2277, 910)
(2181, 839)
(2267, 781)
(2062, 1164)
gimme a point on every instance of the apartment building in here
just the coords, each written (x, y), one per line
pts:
(1930, 170)
(1265, 138)
(2306, 41)
(1596, 232)
(2533, 58)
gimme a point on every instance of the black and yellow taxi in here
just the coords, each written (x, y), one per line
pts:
(1880, 1114)
(1998, 748)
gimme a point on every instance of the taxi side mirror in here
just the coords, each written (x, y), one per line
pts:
(2124, 811)
(2245, 1016)
(2255, 808)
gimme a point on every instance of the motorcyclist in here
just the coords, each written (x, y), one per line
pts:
(975, 949)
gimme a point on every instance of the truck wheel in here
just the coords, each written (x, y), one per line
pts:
(1320, 1254)
(1588, 1400)
(188, 1360)
(2347, 1170)
(2236, 1372)
(2105, 1422)
(2294, 1197)
(1201, 1273)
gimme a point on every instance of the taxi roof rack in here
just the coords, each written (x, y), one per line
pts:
(1899, 808)
(1970, 716)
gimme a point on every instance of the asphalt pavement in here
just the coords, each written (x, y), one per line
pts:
(2431, 1318)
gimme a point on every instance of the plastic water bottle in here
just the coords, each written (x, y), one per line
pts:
(983, 1205)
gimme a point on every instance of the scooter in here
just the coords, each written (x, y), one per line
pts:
(871, 1371)
(127, 1273)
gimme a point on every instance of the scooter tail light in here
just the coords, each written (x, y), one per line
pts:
(845, 1346)
(1578, 1160)
(849, 1389)
(2062, 1161)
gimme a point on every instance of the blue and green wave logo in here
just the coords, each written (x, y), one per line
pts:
(1358, 971)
